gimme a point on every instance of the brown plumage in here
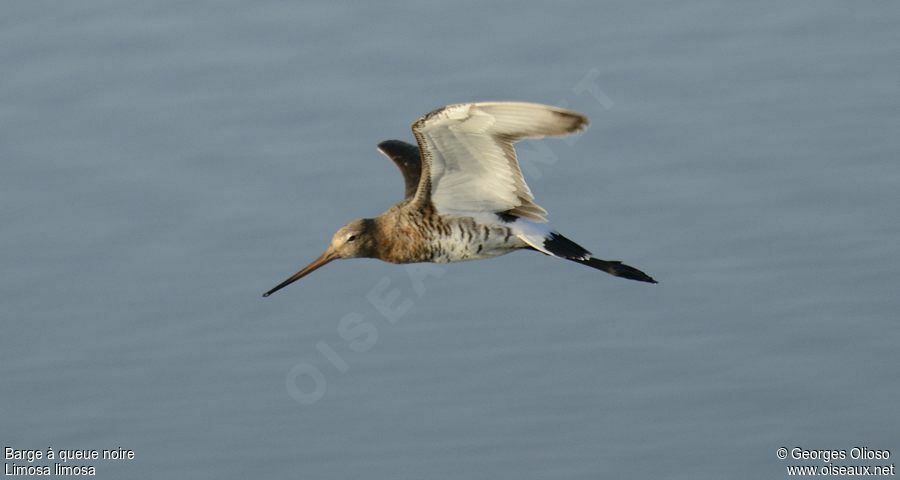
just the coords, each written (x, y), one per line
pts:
(465, 197)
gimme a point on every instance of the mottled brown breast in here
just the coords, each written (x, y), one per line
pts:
(402, 234)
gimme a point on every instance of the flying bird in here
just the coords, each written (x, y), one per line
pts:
(465, 197)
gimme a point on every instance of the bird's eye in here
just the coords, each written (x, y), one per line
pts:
(351, 238)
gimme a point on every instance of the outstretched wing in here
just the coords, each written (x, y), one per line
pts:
(406, 157)
(469, 163)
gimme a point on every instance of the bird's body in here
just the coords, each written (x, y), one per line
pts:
(466, 198)
(425, 236)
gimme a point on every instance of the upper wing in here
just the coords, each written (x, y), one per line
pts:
(406, 157)
(469, 161)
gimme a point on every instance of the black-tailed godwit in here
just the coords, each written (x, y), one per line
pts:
(466, 198)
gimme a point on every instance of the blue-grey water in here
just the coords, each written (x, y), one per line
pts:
(164, 163)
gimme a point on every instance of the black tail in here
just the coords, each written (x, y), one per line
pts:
(616, 268)
(562, 247)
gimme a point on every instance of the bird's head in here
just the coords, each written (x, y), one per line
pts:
(353, 240)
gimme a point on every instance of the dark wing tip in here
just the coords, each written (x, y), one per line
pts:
(394, 145)
(398, 150)
(406, 157)
(576, 122)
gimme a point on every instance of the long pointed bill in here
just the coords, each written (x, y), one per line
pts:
(322, 260)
